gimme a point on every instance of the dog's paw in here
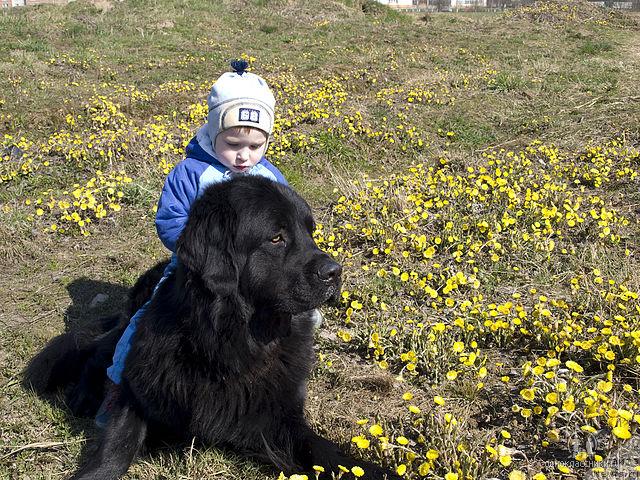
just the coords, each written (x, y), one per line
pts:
(310, 317)
(316, 317)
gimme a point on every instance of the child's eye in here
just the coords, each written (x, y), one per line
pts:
(255, 147)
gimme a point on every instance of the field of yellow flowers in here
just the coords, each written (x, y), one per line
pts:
(477, 175)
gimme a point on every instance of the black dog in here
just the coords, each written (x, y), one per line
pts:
(225, 349)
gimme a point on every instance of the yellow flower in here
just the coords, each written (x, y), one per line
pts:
(568, 405)
(451, 476)
(402, 468)
(361, 442)
(438, 400)
(423, 469)
(357, 471)
(622, 431)
(581, 456)
(574, 366)
(604, 386)
(551, 397)
(527, 393)
(554, 435)
(375, 430)
(517, 475)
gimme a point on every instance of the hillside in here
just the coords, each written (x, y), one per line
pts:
(476, 174)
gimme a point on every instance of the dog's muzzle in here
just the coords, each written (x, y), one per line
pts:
(330, 274)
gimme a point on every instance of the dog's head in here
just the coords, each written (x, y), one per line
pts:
(252, 237)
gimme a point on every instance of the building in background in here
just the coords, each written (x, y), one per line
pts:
(468, 4)
(24, 3)
(47, 2)
(400, 4)
(13, 3)
(490, 5)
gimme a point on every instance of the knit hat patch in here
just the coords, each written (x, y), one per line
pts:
(248, 115)
(243, 114)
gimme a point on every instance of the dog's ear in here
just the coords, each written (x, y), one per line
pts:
(206, 246)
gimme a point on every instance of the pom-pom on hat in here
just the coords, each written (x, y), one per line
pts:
(240, 99)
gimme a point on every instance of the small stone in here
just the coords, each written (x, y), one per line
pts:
(98, 299)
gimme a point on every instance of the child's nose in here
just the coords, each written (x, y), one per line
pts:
(243, 154)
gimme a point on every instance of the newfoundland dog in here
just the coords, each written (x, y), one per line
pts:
(225, 349)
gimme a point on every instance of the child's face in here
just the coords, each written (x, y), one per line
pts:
(240, 149)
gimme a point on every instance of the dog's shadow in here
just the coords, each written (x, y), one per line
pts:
(96, 307)
(92, 301)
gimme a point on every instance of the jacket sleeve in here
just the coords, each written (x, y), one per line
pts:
(179, 191)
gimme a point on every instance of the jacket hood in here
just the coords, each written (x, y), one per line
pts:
(201, 147)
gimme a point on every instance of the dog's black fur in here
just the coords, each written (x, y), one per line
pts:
(224, 350)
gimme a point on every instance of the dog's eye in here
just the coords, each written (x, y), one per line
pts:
(277, 239)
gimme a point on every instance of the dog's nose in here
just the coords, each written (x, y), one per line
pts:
(329, 271)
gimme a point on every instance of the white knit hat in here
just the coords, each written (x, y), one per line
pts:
(240, 99)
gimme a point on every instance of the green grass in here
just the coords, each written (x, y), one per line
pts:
(595, 47)
(470, 134)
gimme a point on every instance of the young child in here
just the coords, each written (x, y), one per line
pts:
(233, 141)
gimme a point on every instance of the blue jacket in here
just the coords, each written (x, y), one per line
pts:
(189, 178)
